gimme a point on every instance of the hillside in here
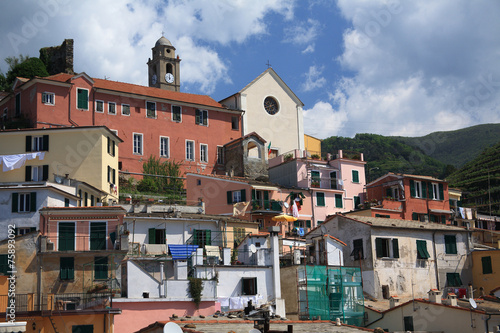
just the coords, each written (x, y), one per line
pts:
(456, 147)
(387, 154)
(480, 181)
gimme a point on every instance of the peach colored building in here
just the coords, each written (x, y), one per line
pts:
(410, 197)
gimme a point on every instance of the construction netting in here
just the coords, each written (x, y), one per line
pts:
(328, 293)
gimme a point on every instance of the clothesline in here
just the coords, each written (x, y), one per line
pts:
(16, 161)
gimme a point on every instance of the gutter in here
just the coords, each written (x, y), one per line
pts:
(435, 258)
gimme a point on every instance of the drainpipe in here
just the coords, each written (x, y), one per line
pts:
(69, 106)
(435, 259)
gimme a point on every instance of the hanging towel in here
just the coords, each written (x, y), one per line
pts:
(16, 161)
(295, 210)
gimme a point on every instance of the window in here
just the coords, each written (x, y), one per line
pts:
(422, 250)
(111, 175)
(111, 107)
(486, 263)
(48, 98)
(235, 123)
(357, 202)
(238, 235)
(67, 268)
(82, 100)
(37, 143)
(125, 110)
(417, 189)
(86, 199)
(453, 280)
(249, 286)
(220, 155)
(202, 117)
(450, 244)
(151, 109)
(333, 180)
(164, 147)
(100, 268)
(203, 153)
(236, 196)
(99, 106)
(92, 201)
(383, 248)
(66, 202)
(66, 236)
(24, 202)
(189, 150)
(98, 236)
(137, 143)
(320, 199)
(357, 249)
(315, 178)
(111, 146)
(82, 329)
(157, 236)
(23, 231)
(202, 237)
(4, 264)
(18, 104)
(355, 176)
(408, 322)
(436, 191)
(36, 173)
(338, 201)
(176, 113)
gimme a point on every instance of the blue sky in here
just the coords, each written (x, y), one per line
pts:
(389, 67)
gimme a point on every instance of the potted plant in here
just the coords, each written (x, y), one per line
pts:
(314, 184)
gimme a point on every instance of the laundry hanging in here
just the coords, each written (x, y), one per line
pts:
(16, 161)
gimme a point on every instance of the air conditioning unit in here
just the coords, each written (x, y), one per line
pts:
(50, 246)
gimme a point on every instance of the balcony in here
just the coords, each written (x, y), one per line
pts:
(270, 205)
(83, 243)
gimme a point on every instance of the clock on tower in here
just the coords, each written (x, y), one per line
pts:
(164, 69)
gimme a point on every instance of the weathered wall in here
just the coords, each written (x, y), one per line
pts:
(58, 59)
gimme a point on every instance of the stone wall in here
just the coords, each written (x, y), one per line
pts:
(58, 59)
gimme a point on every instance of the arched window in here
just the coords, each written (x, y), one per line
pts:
(170, 69)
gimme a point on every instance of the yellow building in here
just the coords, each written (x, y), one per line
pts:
(312, 145)
(485, 271)
(85, 158)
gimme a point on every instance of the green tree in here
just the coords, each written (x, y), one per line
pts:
(27, 69)
(154, 166)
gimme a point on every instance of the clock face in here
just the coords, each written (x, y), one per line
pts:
(153, 79)
(169, 78)
(271, 105)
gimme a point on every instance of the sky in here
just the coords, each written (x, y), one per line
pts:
(389, 67)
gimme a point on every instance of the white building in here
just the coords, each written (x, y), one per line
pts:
(399, 257)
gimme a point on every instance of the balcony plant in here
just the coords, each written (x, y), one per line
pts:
(314, 184)
(288, 157)
(315, 157)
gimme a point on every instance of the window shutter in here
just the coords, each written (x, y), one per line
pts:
(412, 188)
(243, 195)
(308, 223)
(29, 140)
(414, 216)
(45, 143)
(320, 199)
(441, 194)
(109, 145)
(355, 176)
(45, 172)
(27, 176)
(113, 147)
(114, 176)
(431, 191)
(450, 242)
(395, 248)
(443, 219)
(109, 173)
(338, 200)
(486, 263)
(197, 116)
(205, 119)
(152, 236)
(254, 194)
(33, 202)
(208, 237)
(15, 202)
(266, 200)
(388, 192)
(378, 247)
(424, 190)
(229, 197)
(432, 218)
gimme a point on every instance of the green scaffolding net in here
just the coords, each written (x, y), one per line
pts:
(328, 293)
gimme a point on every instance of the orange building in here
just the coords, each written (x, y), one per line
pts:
(409, 197)
(187, 128)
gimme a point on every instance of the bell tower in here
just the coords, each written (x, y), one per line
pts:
(164, 68)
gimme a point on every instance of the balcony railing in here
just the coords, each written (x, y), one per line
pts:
(266, 205)
(81, 243)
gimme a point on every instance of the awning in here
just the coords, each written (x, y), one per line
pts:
(182, 252)
(15, 327)
(440, 211)
(265, 188)
(212, 251)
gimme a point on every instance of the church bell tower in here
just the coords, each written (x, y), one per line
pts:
(164, 68)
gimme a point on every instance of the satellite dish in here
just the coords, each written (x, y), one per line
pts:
(253, 249)
(171, 327)
(253, 330)
(286, 205)
(472, 303)
(58, 179)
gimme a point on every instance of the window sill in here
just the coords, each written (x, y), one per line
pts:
(124, 114)
(137, 154)
(388, 258)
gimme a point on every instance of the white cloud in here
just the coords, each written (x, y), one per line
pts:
(314, 80)
(309, 49)
(322, 120)
(303, 33)
(419, 66)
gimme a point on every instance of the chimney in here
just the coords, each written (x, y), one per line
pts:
(453, 299)
(435, 296)
(393, 301)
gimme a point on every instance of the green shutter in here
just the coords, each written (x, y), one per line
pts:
(443, 219)
(45, 175)
(422, 250)
(29, 140)
(486, 263)
(424, 189)
(15, 202)
(205, 119)
(441, 192)
(152, 236)
(412, 188)
(82, 329)
(357, 201)
(320, 199)
(453, 279)
(27, 173)
(82, 99)
(431, 191)
(308, 223)
(97, 236)
(101, 268)
(67, 268)
(4, 264)
(66, 236)
(266, 200)
(198, 116)
(378, 247)
(338, 200)
(414, 216)
(432, 218)
(33, 202)
(229, 197)
(243, 195)
(450, 244)
(45, 143)
(388, 192)
(208, 237)
(395, 248)
(355, 176)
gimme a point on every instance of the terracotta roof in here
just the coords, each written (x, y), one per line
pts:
(336, 239)
(203, 100)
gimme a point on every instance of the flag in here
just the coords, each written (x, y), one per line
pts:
(240, 208)
(269, 149)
